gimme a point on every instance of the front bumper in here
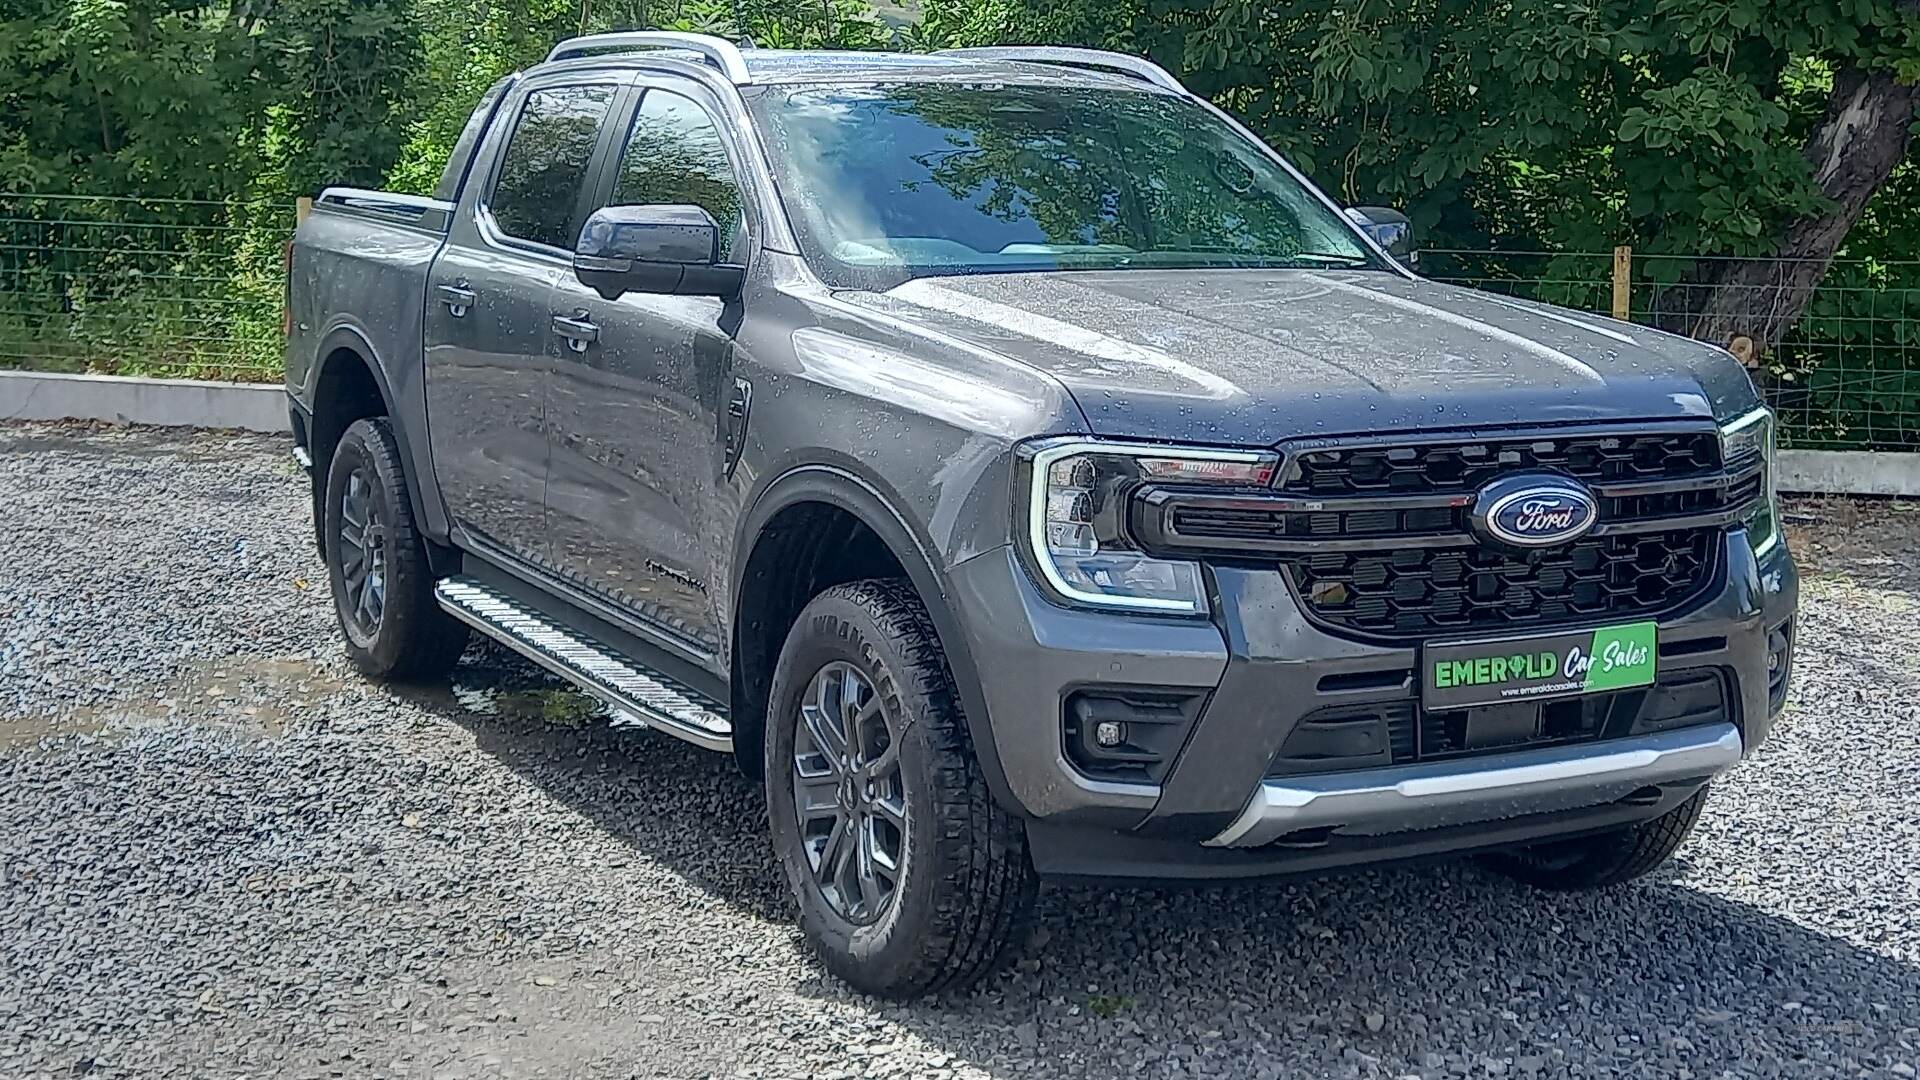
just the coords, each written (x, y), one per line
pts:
(1261, 667)
(1518, 784)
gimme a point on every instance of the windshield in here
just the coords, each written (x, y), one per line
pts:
(888, 183)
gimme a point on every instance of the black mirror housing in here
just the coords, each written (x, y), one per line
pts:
(656, 248)
(1389, 228)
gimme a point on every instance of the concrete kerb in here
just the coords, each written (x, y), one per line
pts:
(34, 395)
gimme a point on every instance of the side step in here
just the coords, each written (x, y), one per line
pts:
(632, 691)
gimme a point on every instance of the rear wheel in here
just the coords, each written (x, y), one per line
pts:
(1610, 858)
(377, 564)
(909, 878)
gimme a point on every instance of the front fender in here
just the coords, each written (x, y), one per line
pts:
(841, 487)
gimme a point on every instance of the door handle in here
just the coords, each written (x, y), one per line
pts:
(579, 332)
(458, 298)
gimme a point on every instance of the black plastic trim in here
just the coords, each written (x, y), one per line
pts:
(842, 488)
(428, 511)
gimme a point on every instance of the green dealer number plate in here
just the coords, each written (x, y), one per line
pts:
(1459, 675)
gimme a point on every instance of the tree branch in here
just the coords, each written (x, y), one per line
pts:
(1852, 151)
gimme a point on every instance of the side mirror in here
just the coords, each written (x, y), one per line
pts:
(1388, 228)
(657, 248)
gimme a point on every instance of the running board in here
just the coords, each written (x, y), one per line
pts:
(632, 691)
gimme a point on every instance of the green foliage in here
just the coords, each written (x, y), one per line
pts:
(162, 98)
(566, 708)
(465, 48)
(107, 96)
(1573, 124)
(346, 83)
(214, 116)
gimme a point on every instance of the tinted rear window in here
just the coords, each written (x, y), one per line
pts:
(537, 193)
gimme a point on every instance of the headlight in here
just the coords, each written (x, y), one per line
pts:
(1741, 441)
(1074, 510)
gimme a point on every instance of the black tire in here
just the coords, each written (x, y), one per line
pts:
(964, 886)
(1610, 858)
(404, 635)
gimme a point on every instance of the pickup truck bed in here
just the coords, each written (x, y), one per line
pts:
(361, 265)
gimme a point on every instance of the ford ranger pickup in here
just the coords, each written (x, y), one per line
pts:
(1026, 474)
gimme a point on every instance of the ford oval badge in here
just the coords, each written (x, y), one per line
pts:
(1534, 511)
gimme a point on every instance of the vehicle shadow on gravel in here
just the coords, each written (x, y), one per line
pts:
(1426, 969)
(712, 830)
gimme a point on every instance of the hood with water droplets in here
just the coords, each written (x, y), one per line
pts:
(1252, 357)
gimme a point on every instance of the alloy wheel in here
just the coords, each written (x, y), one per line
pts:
(363, 553)
(848, 792)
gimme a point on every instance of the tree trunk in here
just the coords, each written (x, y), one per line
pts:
(1853, 151)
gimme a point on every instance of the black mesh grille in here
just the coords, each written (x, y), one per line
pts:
(1413, 592)
(1438, 467)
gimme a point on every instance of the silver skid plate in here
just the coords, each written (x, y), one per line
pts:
(640, 694)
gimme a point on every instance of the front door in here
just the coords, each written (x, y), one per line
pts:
(638, 413)
(488, 339)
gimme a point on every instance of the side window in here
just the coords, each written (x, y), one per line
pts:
(545, 164)
(455, 173)
(674, 154)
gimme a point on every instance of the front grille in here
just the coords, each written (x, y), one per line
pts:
(1410, 592)
(1463, 465)
(1374, 536)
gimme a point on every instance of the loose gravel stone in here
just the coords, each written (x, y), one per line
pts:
(224, 855)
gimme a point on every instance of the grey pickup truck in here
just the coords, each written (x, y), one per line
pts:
(1027, 475)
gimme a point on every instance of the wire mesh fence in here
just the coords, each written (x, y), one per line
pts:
(142, 286)
(1845, 376)
(183, 288)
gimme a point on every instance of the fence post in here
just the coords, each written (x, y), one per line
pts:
(302, 206)
(1622, 281)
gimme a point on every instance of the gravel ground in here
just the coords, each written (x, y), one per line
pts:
(223, 855)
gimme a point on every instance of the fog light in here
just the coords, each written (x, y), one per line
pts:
(1779, 664)
(1127, 733)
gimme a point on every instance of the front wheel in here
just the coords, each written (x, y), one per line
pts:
(909, 878)
(377, 563)
(1609, 858)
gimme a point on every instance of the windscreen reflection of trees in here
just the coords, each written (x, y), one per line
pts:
(546, 163)
(674, 155)
(1090, 168)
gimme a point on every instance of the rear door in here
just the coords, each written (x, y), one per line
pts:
(489, 342)
(640, 413)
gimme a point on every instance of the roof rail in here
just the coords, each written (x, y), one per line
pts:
(1137, 66)
(719, 52)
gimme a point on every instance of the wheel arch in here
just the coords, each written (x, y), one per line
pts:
(837, 490)
(349, 383)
